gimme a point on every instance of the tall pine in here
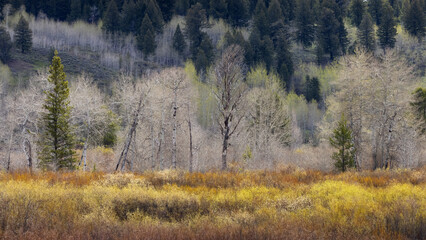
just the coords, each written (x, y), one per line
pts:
(387, 28)
(146, 37)
(179, 43)
(342, 141)
(56, 141)
(356, 11)
(5, 45)
(419, 105)
(414, 20)
(366, 34)
(305, 23)
(111, 18)
(23, 36)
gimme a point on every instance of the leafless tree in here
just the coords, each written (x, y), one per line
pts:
(229, 89)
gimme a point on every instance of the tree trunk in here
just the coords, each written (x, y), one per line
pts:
(191, 156)
(28, 153)
(9, 151)
(123, 155)
(83, 158)
(174, 130)
(225, 145)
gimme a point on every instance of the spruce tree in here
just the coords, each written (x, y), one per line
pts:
(357, 10)
(414, 20)
(155, 15)
(56, 141)
(375, 8)
(261, 22)
(328, 34)
(239, 12)
(23, 36)
(275, 13)
(387, 29)
(284, 61)
(111, 18)
(419, 105)
(146, 37)
(312, 89)
(129, 18)
(366, 34)
(75, 12)
(195, 21)
(218, 9)
(179, 43)
(305, 23)
(342, 141)
(5, 45)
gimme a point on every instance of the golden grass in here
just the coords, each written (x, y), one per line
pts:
(285, 204)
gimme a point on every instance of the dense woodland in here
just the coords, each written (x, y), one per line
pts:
(224, 84)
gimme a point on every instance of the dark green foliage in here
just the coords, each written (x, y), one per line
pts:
(342, 141)
(181, 7)
(201, 61)
(274, 12)
(166, 7)
(284, 61)
(238, 11)
(5, 45)
(129, 17)
(111, 18)
(146, 38)
(179, 43)
(419, 105)
(195, 21)
(205, 55)
(155, 15)
(328, 34)
(260, 50)
(218, 8)
(75, 13)
(312, 89)
(305, 23)
(357, 10)
(110, 136)
(366, 34)
(235, 38)
(23, 36)
(414, 19)
(56, 141)
(260, 19)
(387, 29)
(288, 8)
(375, 8)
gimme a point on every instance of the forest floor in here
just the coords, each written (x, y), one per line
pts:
(282, 204)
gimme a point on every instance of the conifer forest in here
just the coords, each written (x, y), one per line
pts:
(212, 119)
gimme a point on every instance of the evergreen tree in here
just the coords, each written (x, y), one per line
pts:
(75, 13)
(328, 35)
(195, 21)
(305, 23)
(238, 11)
(218, 9)
(375, 8)
(414, 20)
(5, 45)
(201, 61)
(23, 36)
(284, 62)
(342, 140)
(129, 18)
(357, 10)
(111, 18)
(366, 34)
(261, 22)
(275, 13)
(166, 7)
(181, 7)
(207, 49)
(419, 105)
(155, 15)
(56, 142)
(387, 29)
(312, 89)
(343, 36)
(179, 43)
(146, 38)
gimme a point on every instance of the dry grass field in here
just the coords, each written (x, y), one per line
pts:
(283, 204)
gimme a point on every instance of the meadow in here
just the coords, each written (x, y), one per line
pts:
(284, 204)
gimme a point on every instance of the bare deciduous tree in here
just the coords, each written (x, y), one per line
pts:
(229, 88)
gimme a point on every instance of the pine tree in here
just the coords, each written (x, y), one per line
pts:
(312, 89)
(238, 11)
(414, 20)
(23, 35)
(284, 62)
(146, 37)
(5, 45)
(366, 34)
(111, 18)
(75, 13)
(261, 22)
(387, 29)
(419, 105)
(218, 9)
(342, 140)
(305, 23)
(201, 61)
(56, 142)
(166, 7)
(375, 8)
(129, 18)
(195, 21)
(357, 11)
(155, 15)
(328, 35)
(275, 13)
(179, 43)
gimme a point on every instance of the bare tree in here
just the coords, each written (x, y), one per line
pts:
(229, 88)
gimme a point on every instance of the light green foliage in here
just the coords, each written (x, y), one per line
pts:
(342, 140)
(56, 141)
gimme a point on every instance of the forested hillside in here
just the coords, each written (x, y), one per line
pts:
(224, 84)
